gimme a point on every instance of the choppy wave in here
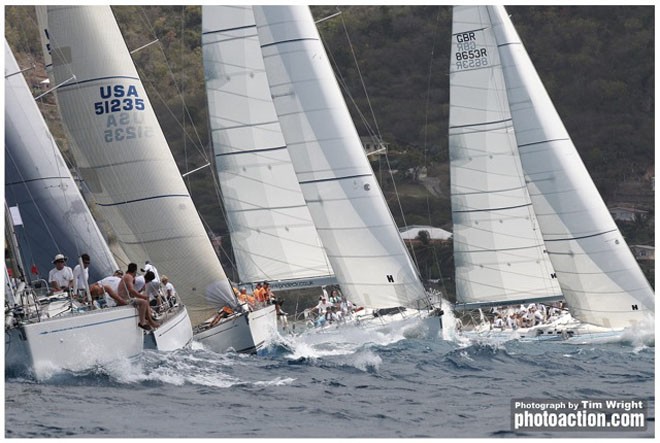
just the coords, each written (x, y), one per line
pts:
(355, 384)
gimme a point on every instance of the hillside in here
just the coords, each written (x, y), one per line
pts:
(597, 64)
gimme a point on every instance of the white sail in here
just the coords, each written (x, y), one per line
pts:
(347, 206)
(124, 158)
(499, 252)
(598, 275)
(55, 217)
(273, 236)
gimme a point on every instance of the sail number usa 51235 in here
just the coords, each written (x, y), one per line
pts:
(119, 104)
(468, 54)
(117, 98)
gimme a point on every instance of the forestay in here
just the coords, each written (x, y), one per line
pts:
(598, 274)
(499, 252)
(273, 236)
(347, 206)
(54, 214)
(124, 158)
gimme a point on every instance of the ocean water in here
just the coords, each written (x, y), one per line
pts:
(353, 384)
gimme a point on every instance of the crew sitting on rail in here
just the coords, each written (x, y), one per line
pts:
(224, 312)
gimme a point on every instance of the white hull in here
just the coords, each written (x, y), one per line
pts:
(566, 328)
(174, 333)
(73, 342)
(244, 333)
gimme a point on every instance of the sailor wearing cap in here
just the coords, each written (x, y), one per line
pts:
(61, 276)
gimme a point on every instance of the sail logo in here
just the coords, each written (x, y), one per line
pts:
(468, 55)
(118, 98)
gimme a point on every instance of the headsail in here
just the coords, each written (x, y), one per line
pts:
(55, 217)
(499, 252)
(273, 236)
(124, 158)
(598, 274)
(351, 215)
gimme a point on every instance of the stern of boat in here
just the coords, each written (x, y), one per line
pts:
(175, 331)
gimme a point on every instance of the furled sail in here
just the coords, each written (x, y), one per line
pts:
(124, 158)
(347, 206)
(499, 253)
(55, 217)
(598, 274)
(273, 236)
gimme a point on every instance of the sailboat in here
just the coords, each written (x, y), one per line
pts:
(123, 158)
(529, 219)
(50, 332)
(273, 236)
(348, 209)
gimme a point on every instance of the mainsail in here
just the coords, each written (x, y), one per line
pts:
(55, 217)
(124, 158)
(273, 236)
(499, 253)
(351, 215)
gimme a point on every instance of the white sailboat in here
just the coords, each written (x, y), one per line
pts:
(50, 333)
(499, 108)
(123, 158)
(351, 216)
(273, 236)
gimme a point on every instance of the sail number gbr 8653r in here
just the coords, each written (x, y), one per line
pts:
(468, 55)
(118, 102)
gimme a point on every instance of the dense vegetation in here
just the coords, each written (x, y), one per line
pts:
(597, 64)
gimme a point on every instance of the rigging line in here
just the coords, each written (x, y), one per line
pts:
(426, 123)
(206, 156)
(344, 86)
(379, 137)
(376, 134)
(183, 98)
(145, 79)
(38, 209)
(357, 66)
